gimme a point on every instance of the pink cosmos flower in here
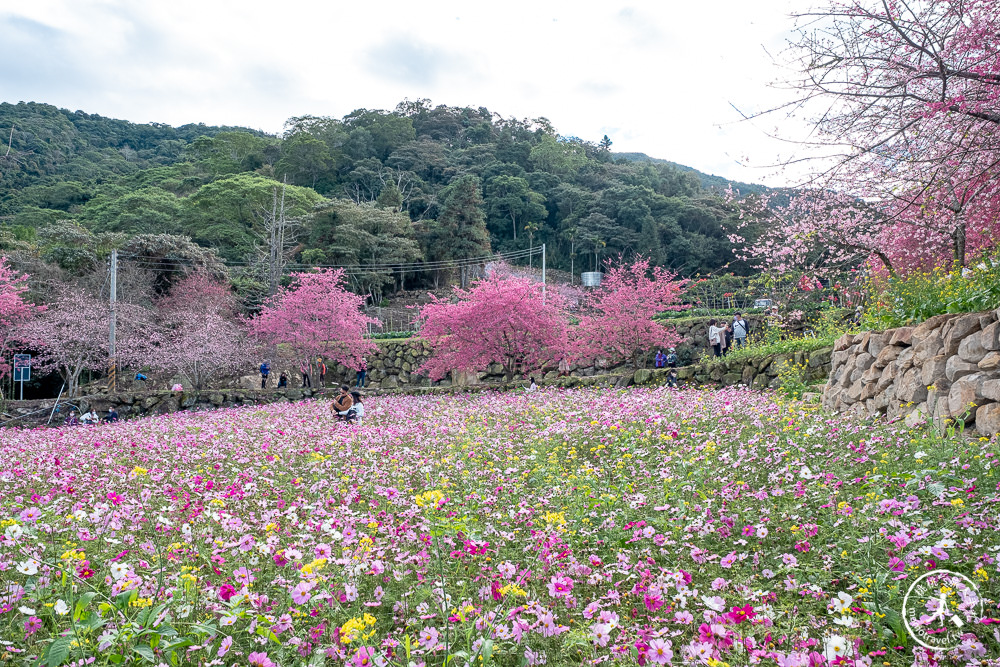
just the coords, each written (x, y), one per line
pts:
(740, 614)
(300, 592)
(600, 634)
(243, 576)
(260, 660)
(652, 602)
(224, 647)
(429, 638)
(560, 586)
(227, 591)
(684, 617)
(659, 651)
(30, 515)
(32, 625)
(363, 657)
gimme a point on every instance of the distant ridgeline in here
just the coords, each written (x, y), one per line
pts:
(416, 184)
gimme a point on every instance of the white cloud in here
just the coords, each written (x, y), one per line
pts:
(657, 77)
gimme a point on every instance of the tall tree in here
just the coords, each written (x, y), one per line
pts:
(316, 317)
(619, 322)
(371, 240)
(511, 200)
(905, 99)
(460, 230)
(72, 335)
(14, 310)
(200, 336)
(500, 319)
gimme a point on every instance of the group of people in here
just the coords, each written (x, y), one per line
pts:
(723, 336)
(305, 370)
(91, 417)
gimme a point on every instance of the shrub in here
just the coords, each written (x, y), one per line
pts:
(899, 301)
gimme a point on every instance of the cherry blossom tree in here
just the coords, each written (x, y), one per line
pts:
(200, 335)
(13, 309)
(500, 319)
(905, 100)
(817, 231)
(71, 335)
(316, 317)
(619, 323)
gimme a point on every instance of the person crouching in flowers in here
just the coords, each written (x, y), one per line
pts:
(356, 413)
(342, 403)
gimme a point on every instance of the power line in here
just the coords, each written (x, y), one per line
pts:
(166, 264)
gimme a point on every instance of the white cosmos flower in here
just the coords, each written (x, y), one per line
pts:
(119, 570)
(13, 532)
(28, 567)
(840, 603)
(61, 607)
(836, 647)
(27, 611)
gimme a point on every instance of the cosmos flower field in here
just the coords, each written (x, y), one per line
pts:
(562, 527)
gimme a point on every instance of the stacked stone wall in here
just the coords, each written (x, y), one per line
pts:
(947, 367)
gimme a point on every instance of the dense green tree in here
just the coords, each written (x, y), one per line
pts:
(387, 131)
(442, 167)
(228, 213)
(511, 203)
(304, 158)
(148, 210)
(558, 156)
(460, 230)
(367, 239)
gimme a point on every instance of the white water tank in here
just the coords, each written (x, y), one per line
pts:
(591, 278)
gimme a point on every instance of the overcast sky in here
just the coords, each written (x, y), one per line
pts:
(657, 77)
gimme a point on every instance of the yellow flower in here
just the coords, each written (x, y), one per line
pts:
(429, 498)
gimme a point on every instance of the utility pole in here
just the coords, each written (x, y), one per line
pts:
(543, 274)
(112, 352)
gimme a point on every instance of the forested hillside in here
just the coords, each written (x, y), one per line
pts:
(416, 184)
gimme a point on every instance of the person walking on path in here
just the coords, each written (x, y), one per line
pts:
(265, 370)
(362, 374)
(741, 330)
(304, 369)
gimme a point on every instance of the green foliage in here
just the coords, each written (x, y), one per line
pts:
(897, 302)
(364, 235)
(228, 213)
(469, 180)
(792, 379)
(391, 335)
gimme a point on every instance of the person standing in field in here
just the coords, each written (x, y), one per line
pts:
(304, 369)
(361, 375)
(716, 338)
(321, 371)
(740, 330)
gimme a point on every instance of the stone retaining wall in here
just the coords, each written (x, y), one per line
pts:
(947, 367)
